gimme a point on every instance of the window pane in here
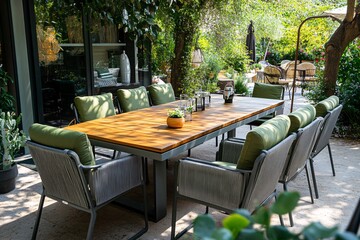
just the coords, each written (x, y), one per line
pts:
(61, 58)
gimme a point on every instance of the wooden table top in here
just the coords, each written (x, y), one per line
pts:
(146, 129)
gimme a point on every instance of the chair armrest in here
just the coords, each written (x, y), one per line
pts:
(91, 167)
(210, 183)
(230, 150)
(114, 178)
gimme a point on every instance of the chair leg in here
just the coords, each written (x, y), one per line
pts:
(173, 217)
(331, 160)
(189, 152)
(280, 217)
(146, 221)
(36, 226)
(217, 141)
(91, 225)
(313, 177)
(290, 213)
(308, 180)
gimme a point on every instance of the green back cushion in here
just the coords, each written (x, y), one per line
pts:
(63, 139)
(261, 138)
(133, 99)
(262, 90)
(301, 117)
(94, 107)
(161, 93)
(326, 105)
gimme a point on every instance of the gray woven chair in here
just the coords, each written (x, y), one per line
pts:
(70, 175)
(226, 186)
(323, 140)
(306, 126)
(263, 90)
(87, 108)
(270, 91)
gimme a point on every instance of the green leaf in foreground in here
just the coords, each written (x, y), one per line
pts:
(250, 234)
(318, 231)
(204, 226)
(235, 223)
(222, 234)
(285, 203)
(263, 216)
(281, 232)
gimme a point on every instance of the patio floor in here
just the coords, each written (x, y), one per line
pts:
(338, 198)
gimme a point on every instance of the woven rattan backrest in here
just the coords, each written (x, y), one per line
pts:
(327, 129)
(265, 174)
(301, 150)
(60, 174)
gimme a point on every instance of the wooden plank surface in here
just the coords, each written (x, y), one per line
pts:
(146, 128)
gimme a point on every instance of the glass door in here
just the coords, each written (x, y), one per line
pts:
(62, 58)
(107, 47)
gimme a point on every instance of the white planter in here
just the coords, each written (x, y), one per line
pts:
(125, 68)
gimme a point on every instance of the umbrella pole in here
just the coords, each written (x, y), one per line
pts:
(297, 51)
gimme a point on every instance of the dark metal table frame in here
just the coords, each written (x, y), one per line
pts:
(160, 199)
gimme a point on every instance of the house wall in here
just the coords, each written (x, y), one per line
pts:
(22, 64)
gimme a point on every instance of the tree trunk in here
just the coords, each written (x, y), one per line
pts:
(184, 35)
(335, 47)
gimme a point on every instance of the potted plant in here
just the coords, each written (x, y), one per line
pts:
(11, 140)
(175, 118)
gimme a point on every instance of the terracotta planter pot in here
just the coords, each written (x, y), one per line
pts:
(175, 122)
(7, 179)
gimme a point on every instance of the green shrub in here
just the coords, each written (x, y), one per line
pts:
(242, 225)
(204, 76)
(348, 90)
(6, 99)
(240, 85)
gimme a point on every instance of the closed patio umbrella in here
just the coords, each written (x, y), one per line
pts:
(250, 41)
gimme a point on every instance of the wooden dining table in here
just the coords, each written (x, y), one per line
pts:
(145, 133)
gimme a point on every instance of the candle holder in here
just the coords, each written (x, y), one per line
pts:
(202, 99)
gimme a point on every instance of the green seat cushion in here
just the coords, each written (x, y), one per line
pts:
(262, 90)
(161, 93)
(94, 107)
(63, 139)
(133, 99)
(227, 165)
(261, 138)
(301, 117)
(326, 105)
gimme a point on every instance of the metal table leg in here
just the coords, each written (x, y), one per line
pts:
(160, 199)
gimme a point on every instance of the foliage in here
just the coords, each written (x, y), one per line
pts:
(236, 57)
(348, 89)
(273, 57)
(255, 66)
(134, 17)
(203, 77)
(11, 138)
(240, 85)
(242, 225)
(6, 99)
(319, 56)
(175, 113)
(162, 53)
